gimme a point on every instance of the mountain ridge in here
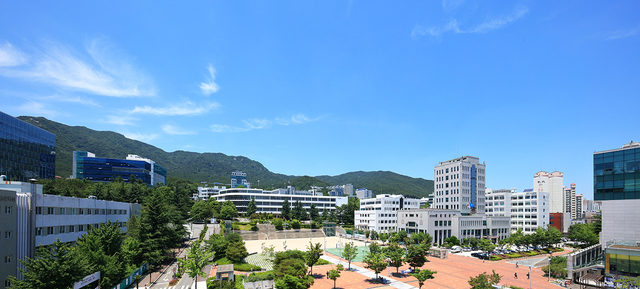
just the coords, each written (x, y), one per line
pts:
(208, 167)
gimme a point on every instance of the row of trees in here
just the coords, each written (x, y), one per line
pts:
(104, 248)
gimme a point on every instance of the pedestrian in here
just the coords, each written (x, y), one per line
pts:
(527, 275)
(515, 275)
(517, 265)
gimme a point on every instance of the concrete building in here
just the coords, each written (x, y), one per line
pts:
(341, 190)
(204, 193)
(271, 201)
(364, 194)
(442, 224)
(239, 178)
(87, 166)
(459, 185)
(570, 201)
(26, 151)
(552, 184)
(31, 219)
(617, 186)
(380, 213)
(592, 206)
(578, 208)
(528, 210)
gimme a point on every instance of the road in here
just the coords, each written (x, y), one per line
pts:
(186, 281)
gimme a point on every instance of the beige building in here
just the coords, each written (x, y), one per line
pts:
(459, 184)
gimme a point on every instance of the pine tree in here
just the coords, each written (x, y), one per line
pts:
(299, 212)
(251, 207)
(286, 210)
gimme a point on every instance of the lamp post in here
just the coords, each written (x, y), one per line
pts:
(549, 271)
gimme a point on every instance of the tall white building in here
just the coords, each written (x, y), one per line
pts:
(578, 208)
(459, 185)
(380, 213)
(204, 193)
(528, 210)
(364, 194)
(552, 184)
(570, 201)
(341, 190)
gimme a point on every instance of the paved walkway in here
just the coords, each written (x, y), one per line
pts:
(369, 274)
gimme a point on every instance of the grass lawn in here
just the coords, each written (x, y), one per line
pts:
(361, 251)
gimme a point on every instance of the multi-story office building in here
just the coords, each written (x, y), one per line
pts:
(617, 186)
(31, 219)
(528, 210)
(442, 224)
(341, 191)
(591, 206)
(380, 213)
(552, 184)
(239, 179)
(459, 185)
(204, 193)
(364, 194)
(87, 166)
(271, 201)
(26, 151)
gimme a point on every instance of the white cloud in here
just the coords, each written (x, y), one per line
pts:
(34, 108)
(297, 119)
(185, 108)
(450, 5)
(11, 56)
(256, 123)
(210, 86)
(173, 129)
(624, 34)
(109, 74)
(72, 99)
(226, 128)
(140, 136)
(486, 26)
(120, 120)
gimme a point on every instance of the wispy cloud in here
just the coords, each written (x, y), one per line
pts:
(101, 71)
(35, 108)
(140, 136)
(208, 87)
(453, 27)
(184, 108)
(251, 124)
(71, 99)
(450, 5)
(623, 34)
(11, 56)
(173, 129)
(120, 120)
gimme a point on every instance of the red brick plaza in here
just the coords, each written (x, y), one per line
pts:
(452, 273)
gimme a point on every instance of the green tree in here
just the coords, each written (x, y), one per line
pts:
(334, 275)
(484, 281)
(416, 255)
(197, 259)
(558, 267)
(583, 233)
(217, 244)
(290, 270)
(236, 249)
(486, 246)
(375, 262)
(101, 249)
(313, 212)
(423, 275)
(55, 266)
(623, 282)
(201, 210)
(277, 223)
(374, 248)
(418, 238)
(298, 211)
(395, 253)
(251, 207)
(295, 224)
(228, 210)
(313, 254)
(349, 252)
(286, 209)
(554, 235)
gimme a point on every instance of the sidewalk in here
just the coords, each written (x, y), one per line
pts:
(369, 274)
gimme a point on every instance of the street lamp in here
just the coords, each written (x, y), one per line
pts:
(549, 270)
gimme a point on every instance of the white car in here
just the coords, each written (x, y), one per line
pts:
(456, 249)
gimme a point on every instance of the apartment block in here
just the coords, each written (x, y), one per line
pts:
(460, 185)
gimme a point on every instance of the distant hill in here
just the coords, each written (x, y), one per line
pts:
(211, 167)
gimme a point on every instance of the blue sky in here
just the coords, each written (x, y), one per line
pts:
(328, 87)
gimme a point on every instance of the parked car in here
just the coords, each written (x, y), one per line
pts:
(456, 249)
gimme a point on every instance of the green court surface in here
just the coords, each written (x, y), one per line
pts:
(361, 251)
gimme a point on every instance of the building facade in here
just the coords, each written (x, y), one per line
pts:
(528, 210)
(570, 201)
(26, 151)
(87, 166)
(341, 190)
(239, 178)
(380, 213)
(460, 185)
(578, 209)
(271, 201)
(551, 183)
(204, 193)
(364, 194)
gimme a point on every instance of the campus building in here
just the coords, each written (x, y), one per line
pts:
(31, 219)
(341, 190)
(239, 179)
(528, 210)
(87, 166)
(552, 184)
(26, 151)
(204, 193)
(459, 185)
(442, 224)
(570, 201)
(364, 194)
(380, 213)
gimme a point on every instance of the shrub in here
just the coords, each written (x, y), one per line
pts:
(215, 284)
(515, 287)
(295, 224)
(495, 258)
(173, 282)
(254, 216)
(514, 255)
(322, 262)
(246, 267)
(260, 276)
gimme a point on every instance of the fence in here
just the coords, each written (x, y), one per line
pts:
(132, 277)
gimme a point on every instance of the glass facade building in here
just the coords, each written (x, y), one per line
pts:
(87, 166)
(617, 173)
(26, 151)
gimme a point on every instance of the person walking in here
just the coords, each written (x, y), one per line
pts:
(517, 265)
(527, 275)
(515, 275)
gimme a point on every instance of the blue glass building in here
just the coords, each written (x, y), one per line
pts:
(617, 173)
(87, 166)
(26, 151)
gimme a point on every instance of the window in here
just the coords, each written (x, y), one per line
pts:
(71, 228)
(62, 229)
(38, 210)
(7, 210)
(7, 283)
(72, 211)
(7, 234)
(49, 230)
(80, 228)
(80, 211)
(63, 211)
(7, 259)
(39, 231)
(96, 211)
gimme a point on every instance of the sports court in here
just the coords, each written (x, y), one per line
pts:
(362, 250)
